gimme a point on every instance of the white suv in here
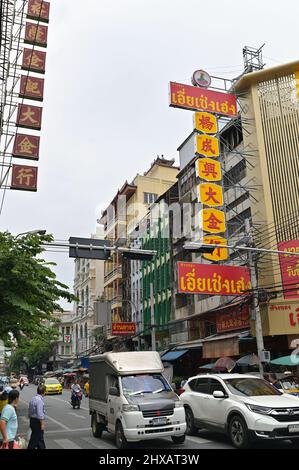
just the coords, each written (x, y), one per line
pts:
(245, 407)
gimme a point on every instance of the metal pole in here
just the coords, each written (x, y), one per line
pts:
(153, 329)
(256, 313)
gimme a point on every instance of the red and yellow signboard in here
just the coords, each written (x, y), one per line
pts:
(208, 169)
(289, 266)
(123, 329)
(38, 10)
(32, 88)
(24, 177)
(210, 194)
(219, 254)
(207, 145)
(236, 319)
(26, 146)
(212, 220)
(36, 34)
(195, 278)
(196, 98)
(29, 116)
(205, 122)
(34, 60)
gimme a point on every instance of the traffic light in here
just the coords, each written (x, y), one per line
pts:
(89, 248)
(138, 254)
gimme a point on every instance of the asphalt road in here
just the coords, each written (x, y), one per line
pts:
(67, 428)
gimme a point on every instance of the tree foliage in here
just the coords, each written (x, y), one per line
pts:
(29, 290)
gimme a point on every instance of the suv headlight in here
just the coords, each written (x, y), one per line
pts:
(130, 408)
(179, 404)
(263, 410)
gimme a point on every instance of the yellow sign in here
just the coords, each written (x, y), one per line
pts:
(281, 318)
(205, 122)
(210, 194)
(219, 254)
(207, 145)
(208, 169)
(212, 220)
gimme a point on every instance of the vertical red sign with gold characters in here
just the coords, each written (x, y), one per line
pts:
(34, 61)
(38, 10)
(26, 146)
(24, 177)
(29, 116)
(32, 88)
(36, 34)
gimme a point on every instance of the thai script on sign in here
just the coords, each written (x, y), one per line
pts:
(289, 266)
(196, 278)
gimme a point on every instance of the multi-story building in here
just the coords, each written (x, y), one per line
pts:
(120, 219)
(88, 287)
(63, 348)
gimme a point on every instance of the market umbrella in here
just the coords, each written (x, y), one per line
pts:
(292, 360)
(249, 360)
(208, 366)
(225, 363)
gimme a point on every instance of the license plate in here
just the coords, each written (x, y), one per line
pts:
(159, 421)
(294, 428)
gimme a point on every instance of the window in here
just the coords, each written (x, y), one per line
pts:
(202, 385)
(192, 384)
(67, 330)
(62, 350)
(234, 175)
(216, 386)
(249, 387)
(62, 330)
(67, 350)
(149, 198)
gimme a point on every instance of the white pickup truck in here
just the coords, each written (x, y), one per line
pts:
(130, 397)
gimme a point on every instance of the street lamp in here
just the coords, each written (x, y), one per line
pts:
(32, 232)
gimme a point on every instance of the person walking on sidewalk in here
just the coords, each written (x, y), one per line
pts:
(37, 419)
(9, 420)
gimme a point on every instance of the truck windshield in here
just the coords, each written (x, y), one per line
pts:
(138, 384)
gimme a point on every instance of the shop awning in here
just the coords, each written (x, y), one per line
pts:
(222, 345)
(173, 355)
(292, 360)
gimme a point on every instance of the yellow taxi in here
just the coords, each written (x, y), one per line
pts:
(52, 386)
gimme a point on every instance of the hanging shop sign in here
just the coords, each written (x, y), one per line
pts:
(282, 318)
(123, 329)
(29, 116)
(219, 254)
(210, 194)
(235, 319)
(208, 169)
(196, 98)
(289, 267)
(196, 278)
(36, 34)
(34, 61)
(205, 122)
(38, 10)
(212, 221)
(32, 88)
(201, 78)
(207, 145)
(24, 177)
(67, 338)
(26, 146)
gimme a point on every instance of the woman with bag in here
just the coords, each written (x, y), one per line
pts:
(9, 421)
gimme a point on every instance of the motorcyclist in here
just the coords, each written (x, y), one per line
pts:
(76, 389)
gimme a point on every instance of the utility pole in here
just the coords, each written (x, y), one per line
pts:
(153, 328)
(255, 312)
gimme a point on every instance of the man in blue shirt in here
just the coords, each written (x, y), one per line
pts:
(37, 419)
(9, 420)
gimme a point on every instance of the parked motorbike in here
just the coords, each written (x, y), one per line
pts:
(76, 398)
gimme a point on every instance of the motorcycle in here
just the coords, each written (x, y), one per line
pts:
(76, 398)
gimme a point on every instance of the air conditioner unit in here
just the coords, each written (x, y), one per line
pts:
(265, 356)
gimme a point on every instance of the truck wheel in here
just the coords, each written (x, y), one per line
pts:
(120, 440)
(191, 429)
(97, 429)
(178, 439)
(238, 432)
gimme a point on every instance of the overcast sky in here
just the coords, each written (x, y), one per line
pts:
(106, 113)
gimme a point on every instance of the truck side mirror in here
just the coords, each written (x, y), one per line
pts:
(113, 391)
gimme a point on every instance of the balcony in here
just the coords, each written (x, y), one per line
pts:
(116, 302)
(116, 273)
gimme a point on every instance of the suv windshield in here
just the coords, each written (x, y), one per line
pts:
(137, 384)
(250, 387)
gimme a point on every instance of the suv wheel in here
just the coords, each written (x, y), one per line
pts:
(191, 429)
(120, 440)
(178, 439)
(238, 432)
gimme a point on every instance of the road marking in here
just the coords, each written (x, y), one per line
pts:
(197, 440)
(68, 402)
(71, 430)
(67, 444)
(51, 419)
(98, 443)
(75, 414)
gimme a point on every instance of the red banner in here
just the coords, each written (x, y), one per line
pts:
(29, 116)
(235, 319)
(195, 278)
(26, 146)
(36, 34)
(289, 266)
(24, 177)
(196, 98)
(32, 88)
(34, 60)
(123, 329)
(38, 10)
